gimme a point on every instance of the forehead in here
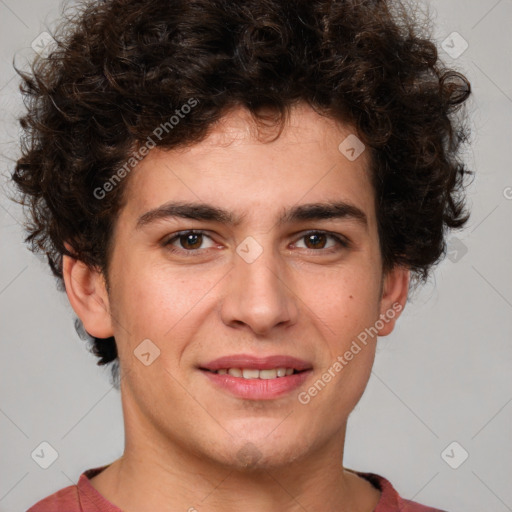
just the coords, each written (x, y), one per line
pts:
(239, 167)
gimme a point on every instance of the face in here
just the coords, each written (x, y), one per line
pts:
(274, 273)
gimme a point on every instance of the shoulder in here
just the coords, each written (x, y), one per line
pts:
(82, 497)
(66, 499)
(390, 500)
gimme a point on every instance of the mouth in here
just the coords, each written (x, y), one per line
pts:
(255, 373)
(255, 378)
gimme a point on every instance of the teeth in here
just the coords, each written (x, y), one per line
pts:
(281, 372)
(252, 373)
(268, 374)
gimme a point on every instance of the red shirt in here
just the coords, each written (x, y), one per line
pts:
(83, 497)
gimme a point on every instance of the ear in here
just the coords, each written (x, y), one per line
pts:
(395, 290)
(87, 293)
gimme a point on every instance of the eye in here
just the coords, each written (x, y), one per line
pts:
(317, 240)
(189, 241)
(192, 242)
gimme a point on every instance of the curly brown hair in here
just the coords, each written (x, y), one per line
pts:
(123, 67)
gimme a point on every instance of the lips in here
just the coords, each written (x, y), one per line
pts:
(257, 378)
(257, 363)
(254, 373)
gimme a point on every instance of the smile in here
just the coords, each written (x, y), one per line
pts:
(253, 373)
(257, 378)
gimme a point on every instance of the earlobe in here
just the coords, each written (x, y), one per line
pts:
(394, 296)
(87, 294)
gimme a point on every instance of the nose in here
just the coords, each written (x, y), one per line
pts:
(258, 296)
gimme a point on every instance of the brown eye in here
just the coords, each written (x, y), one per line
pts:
(322, 242)
(315, 240)
(191, 241)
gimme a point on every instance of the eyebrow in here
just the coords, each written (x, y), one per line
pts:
(208, 212)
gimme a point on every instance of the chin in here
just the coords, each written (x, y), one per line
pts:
(261, 452)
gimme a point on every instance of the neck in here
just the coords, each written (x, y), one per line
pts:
(169, 475)
(149, 477)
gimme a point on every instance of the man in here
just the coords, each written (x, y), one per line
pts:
(235, 196)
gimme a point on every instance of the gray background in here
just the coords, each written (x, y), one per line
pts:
(442, 376)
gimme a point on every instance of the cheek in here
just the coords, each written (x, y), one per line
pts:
(346, 301)
(346, 362)
(155, 302)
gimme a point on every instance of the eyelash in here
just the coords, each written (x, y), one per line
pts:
(341, 241)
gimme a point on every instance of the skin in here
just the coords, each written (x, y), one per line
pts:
(184, 436)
